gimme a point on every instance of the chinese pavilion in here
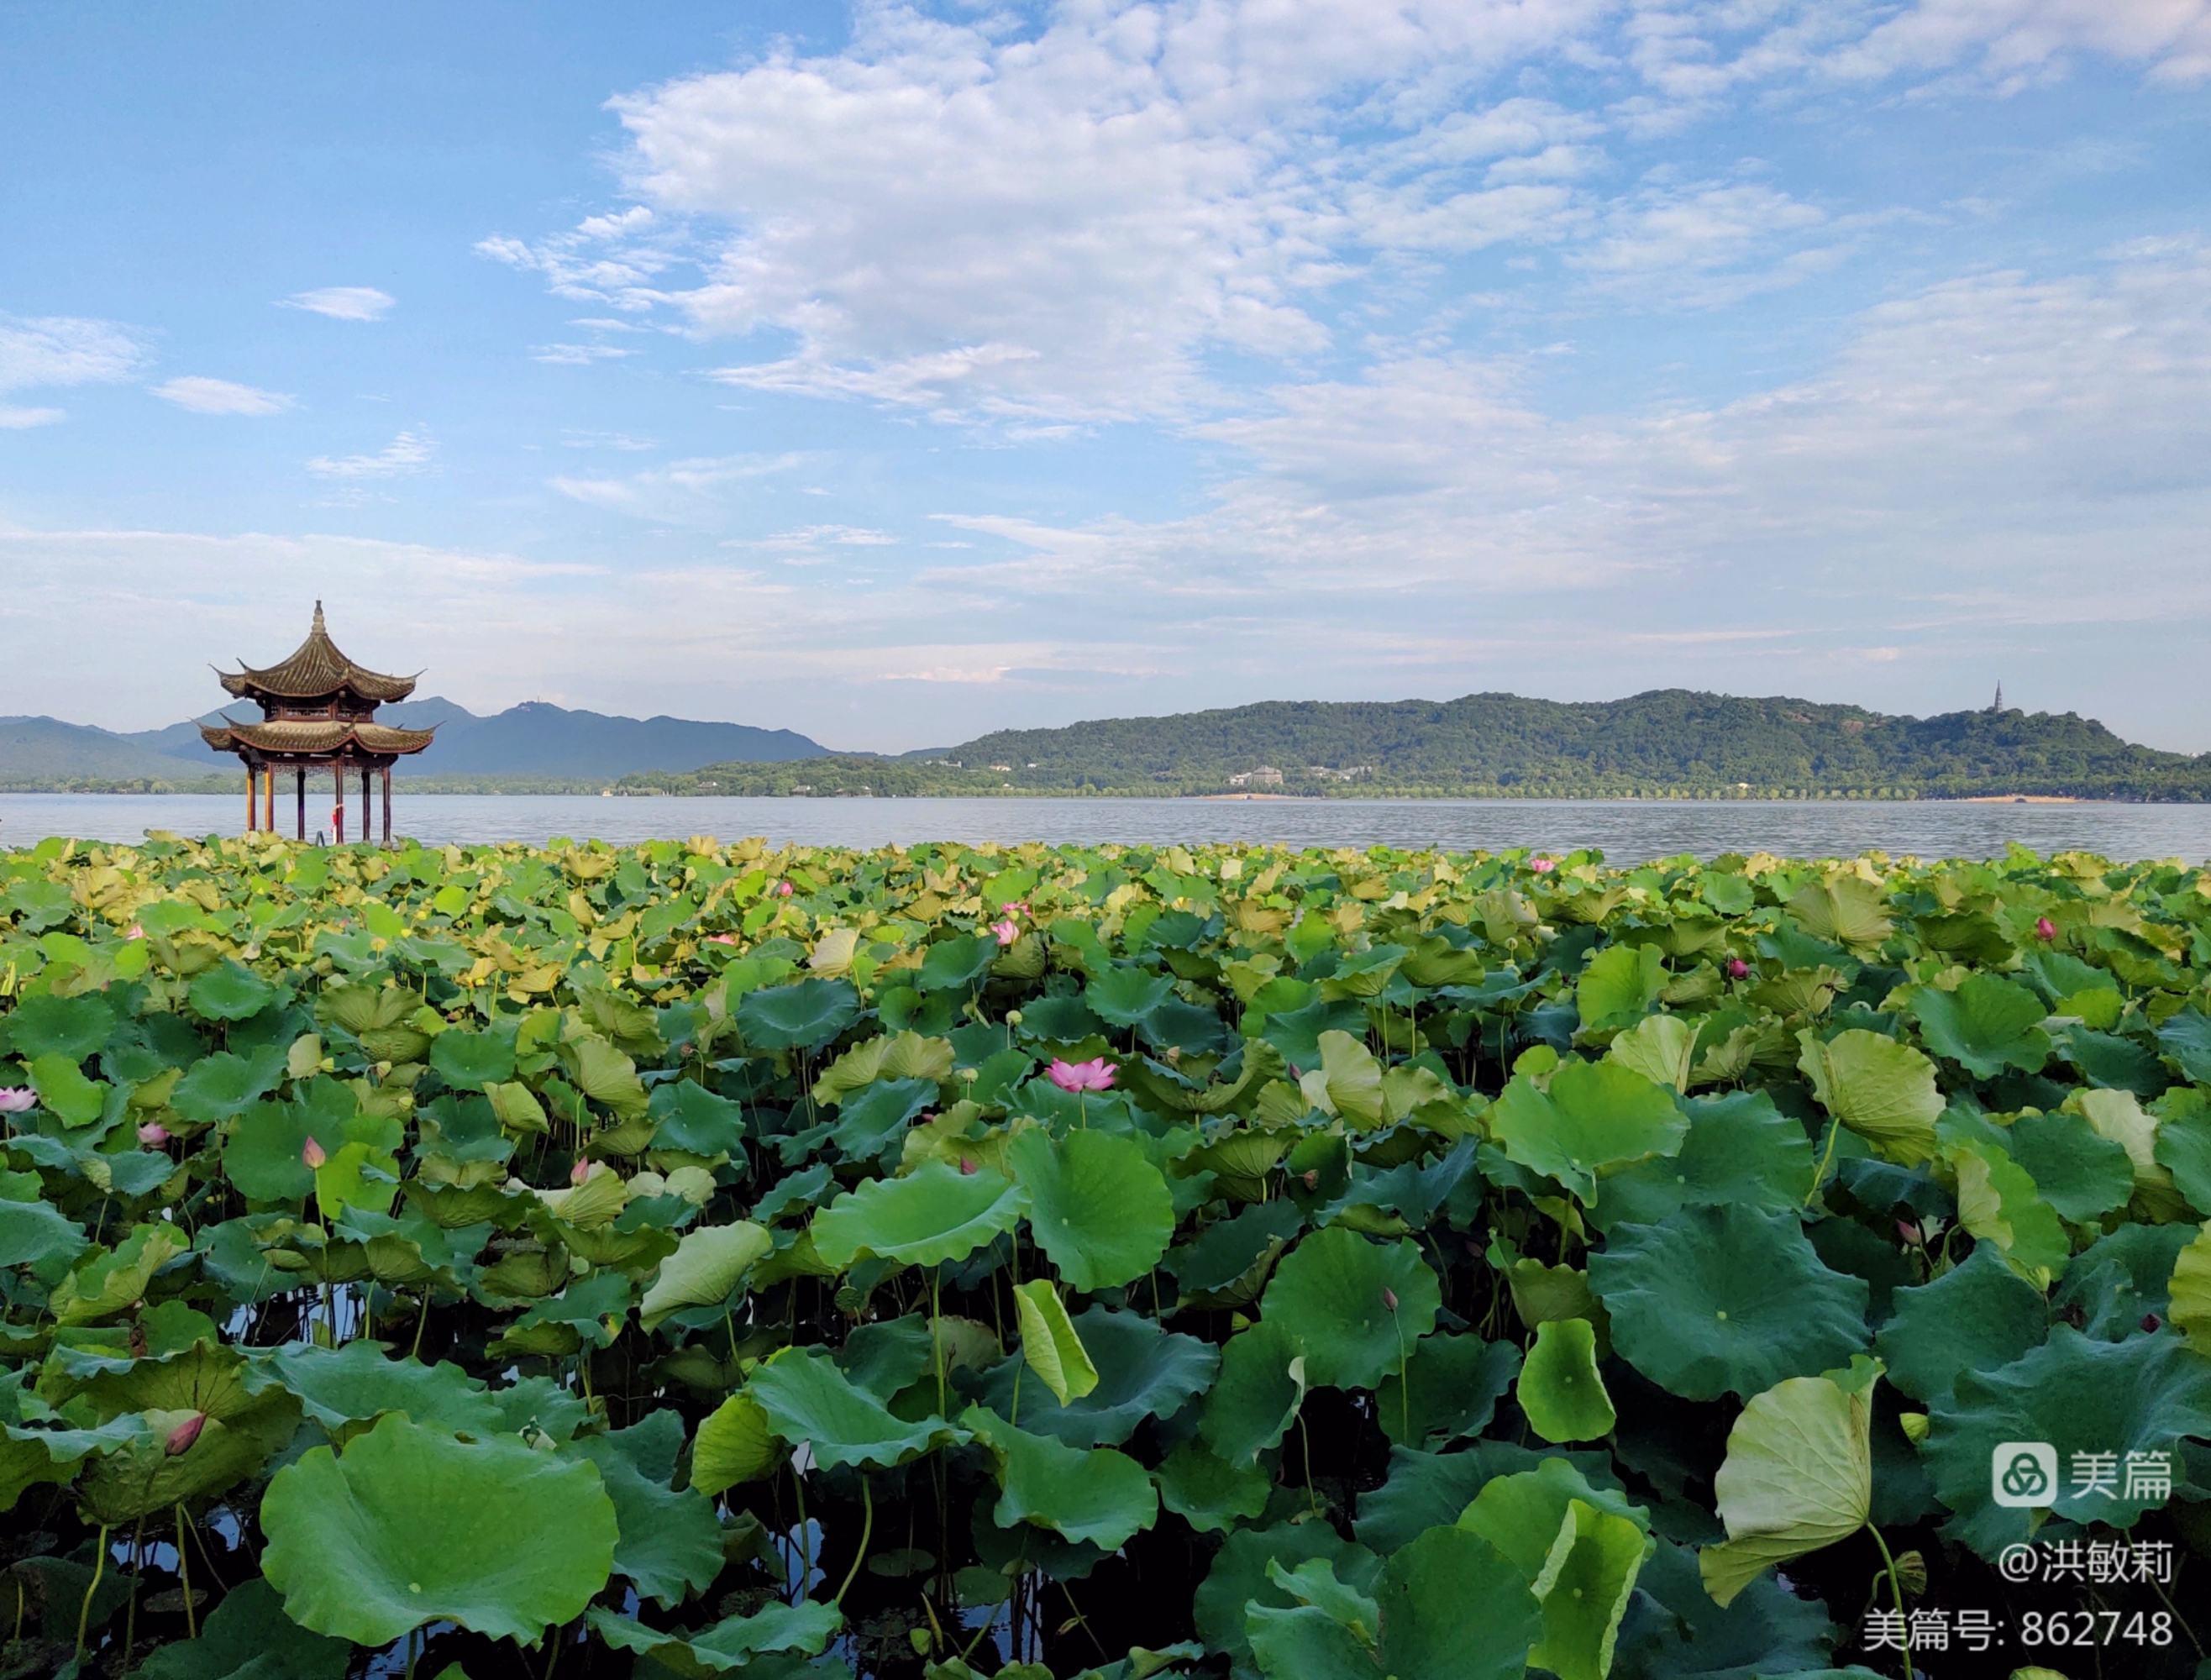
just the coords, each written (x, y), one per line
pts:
(317, 713)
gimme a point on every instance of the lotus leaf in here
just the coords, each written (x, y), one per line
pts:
(1450, 1387)
(1561, 1393)
(1882, 1090)
(1050, 1346)
(667, 1543)
(1986, 1025)
(707, 1268)
(1590, 1117)
(1351, 1308)
(1097, 1206)
(1142, 1372)
(1092, 1494)
(1798, 1476)
(1726, 1300)
(809, 1402)
(410, 1526)
(1977, 1317)
(935, 1214)
(728, 1647)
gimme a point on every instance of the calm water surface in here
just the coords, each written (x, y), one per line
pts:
(1626, 830)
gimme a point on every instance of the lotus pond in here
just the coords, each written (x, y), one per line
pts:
(703, 1259)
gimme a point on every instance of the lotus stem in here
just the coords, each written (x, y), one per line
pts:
(84, 1610)
(184, 1577)
(1896, 1592)
(1818, 1178)
(867, 1532)
(130, 1615)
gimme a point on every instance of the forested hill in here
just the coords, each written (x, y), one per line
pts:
(1667, 739)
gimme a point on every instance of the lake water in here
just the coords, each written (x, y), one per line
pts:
(1626, 830)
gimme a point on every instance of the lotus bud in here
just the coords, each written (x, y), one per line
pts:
(783, 890)
(182, 1437)
(1388, 1297)
(314, 1155)
(153, 1134)
(1013, 1018)
(2150, 1322)
(134, 931)
(17, 1098)
(967, 1167)
(581, 1170)
(1542, 865)
(1309, 1178)
(2045, 929)
(1738, 968)
(1908, 1231)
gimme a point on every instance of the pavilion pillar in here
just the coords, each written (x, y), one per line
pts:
(300, 774)
(387, 804)
(271, 786)
(250, 792)
(337, 803)
(365, 831)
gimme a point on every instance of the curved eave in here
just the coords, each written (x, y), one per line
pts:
(274, 684)
(302, 739)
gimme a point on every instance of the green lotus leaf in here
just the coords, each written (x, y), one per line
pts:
(1142, 1372)
(2189, 1298)
(1798, 1476)
(2120, 1117)
(873, 1121)
(412, 1527)
(2185, 1038)
(34, 1233)
(1210, 1494)
(954, 964)
(2111, 1285)
(472, 1061)
(1618, 986)
(64, 1092)
(1126, 996)
(810, 1401)
(1097, 1205)
(230, 991)
(1578, 1548)
(247, 1637)
(2143, 1395)
(707, 1267)
(1242, 1576)
(1261, 1386)
(888, 1057)
(1438, 1587)
(2076, 1169)
(667, 1543)
(606, 1075)
(1050, 1346)
(1660, 1047)
(1987, 1025)
(1846, 908)
(1451, 1388)
(1999, 1204)
(1739, 1149)
(517, 1107)
(106, 1281)
(263, 1155)
(735, 1444)
(2183, 1148)
(1594, 1116)
(730, 1646)
(1976, 1317)
(1726, 1300)
(1347, 1083)
(238, 1432)
(1675, 1631)
(356, 1382)
(1352, 1308)
(934, 1215)
(1561, 1392)
(70, 1028)
(804, 1016)
(1882, 1090)
(1094, 1495)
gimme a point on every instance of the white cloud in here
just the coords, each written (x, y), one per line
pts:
(686, 492)
(50, 351)
(578, 356)
(219, 397)
(616, 440)
(344, 303)
(408, 453)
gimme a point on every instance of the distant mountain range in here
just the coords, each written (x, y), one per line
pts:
(1666, 740)
(534, 740)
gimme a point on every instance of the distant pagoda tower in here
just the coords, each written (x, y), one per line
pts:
(1998, 706)
(317, 713)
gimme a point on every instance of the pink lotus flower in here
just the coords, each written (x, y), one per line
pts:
(1542, 865)
(1006, 931)
(16, 1099)
(2045, 929)
(182, 1437)
(153, 1134)
(721, 938)
(313, 1155)
(782, 889)
(134, 931)
(1096, 1074)
(1738, 968)
(1017, 906)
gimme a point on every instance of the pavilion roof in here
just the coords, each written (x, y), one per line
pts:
(314, 738)
(316, 668)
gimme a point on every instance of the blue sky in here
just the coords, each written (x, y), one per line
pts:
(894, 372)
